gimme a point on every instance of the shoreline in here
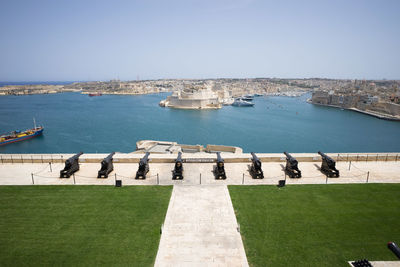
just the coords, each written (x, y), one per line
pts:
(370, 113)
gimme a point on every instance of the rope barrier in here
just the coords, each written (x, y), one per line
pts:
(35, 173)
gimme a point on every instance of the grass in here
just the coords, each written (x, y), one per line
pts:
(317, 225)
(81, 225)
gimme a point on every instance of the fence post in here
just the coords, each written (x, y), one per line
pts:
(32, 159)
(158, 181)
(51, 170)
(396, 158)
(367, 177)
(357, 158)
(73, 175)
(33, 181)
(337, 158)
(115, 175)
(22, 160)
(51, 157)
(2, 159)
(41, 157)
(367, 158)
(243, 179)
(200, 178)
(347, 157)
(349, 164)
(12, 162)
(387, 157)
(326, 182)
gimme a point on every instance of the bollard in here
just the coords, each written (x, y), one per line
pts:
(50, 167)
(33, 181)
(349, 164)
(367, 177)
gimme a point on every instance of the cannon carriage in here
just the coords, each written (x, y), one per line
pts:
(71, 166)
(255, 170)
(291, 168)
(106, 166)
(143, 167)
(177, 173)
(328, 166)
(219, 169)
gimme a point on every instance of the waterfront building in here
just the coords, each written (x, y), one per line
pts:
(193, 98)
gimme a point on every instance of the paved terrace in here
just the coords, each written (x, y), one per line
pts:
(45, 169)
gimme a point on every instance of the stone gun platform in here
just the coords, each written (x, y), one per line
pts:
(45, 169)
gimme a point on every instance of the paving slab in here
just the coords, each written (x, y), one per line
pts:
(200, 229)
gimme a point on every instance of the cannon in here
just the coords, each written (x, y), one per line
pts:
(394, 248)
(255, 170)
(177, 173)
(71, 166)
(106, 166)
(291, 168)
(219, 169)
(328, 166)
(143, 167)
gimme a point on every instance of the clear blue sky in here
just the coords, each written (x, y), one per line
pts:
(101, 40)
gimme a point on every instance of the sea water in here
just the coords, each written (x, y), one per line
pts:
(74, 122)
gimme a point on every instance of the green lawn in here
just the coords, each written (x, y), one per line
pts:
(81, 225)
(317, 225)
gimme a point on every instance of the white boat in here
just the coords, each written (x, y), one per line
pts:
(242, 103)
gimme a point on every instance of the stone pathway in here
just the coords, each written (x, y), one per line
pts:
(200, 229)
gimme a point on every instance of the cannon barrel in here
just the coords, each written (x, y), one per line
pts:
(76, 156)
(179, 158)
(287, 155)
(255, 158)
(109, 157)
(145, 159)
(394, 248)
(219, 158)
(324, 155)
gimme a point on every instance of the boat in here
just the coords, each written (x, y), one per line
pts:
(95, 94)
(247, 97)
(17, 136)
(239, 102)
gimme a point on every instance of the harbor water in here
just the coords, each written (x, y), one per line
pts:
(74, 122)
